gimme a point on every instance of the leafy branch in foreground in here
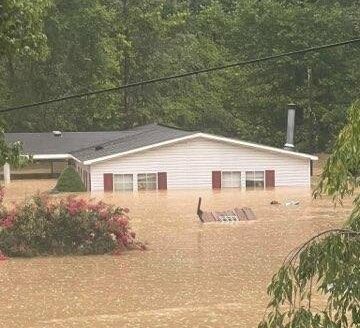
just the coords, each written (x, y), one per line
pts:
(341, 174)
(328, 265)
(11, 153)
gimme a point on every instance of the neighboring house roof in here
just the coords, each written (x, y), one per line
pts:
(92, 147)
(45, 143)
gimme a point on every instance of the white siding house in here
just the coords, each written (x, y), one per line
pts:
(160, 157)
(190, 163)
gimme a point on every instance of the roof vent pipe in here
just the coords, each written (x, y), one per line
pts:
(289, 145)
(57, 133)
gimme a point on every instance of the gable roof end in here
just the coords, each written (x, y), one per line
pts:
(147, 145)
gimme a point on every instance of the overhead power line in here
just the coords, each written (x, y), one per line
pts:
(182, 75)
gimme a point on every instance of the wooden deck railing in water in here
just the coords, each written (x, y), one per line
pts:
(237, 214)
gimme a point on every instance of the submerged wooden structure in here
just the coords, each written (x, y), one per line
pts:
(234, 215)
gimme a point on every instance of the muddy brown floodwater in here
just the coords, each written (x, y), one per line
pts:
(193, 275)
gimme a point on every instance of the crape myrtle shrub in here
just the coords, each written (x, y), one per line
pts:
(40, 226)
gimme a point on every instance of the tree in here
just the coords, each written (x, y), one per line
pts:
(95, 44)
(10, 153)
(146, 32)
(79, 59)
(21, 27)
(257, 94)
(20, 35)
(329, 263)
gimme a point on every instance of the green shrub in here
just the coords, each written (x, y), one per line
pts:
(41, 226)
(69, 181)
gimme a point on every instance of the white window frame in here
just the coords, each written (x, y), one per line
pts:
(146, 182)
(254, 180)
(123, 189)
(232, 179)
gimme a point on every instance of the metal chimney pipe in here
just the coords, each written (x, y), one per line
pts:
(289, 145)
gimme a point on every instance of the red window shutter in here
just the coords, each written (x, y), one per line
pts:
(108, 182)
(162, 180)
(270, 178)
(216, 179)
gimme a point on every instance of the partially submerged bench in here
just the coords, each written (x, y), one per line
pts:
(237, 214)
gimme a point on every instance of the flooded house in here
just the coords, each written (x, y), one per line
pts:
(158, 157)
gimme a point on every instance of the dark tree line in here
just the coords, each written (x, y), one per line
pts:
(63, 47)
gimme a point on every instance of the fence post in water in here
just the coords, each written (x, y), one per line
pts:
(7, 177)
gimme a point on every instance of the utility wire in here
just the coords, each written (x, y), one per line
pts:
(178, 76)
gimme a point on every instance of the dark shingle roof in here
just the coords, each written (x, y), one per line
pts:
(143, 136)
(47, 143)
(91, 145)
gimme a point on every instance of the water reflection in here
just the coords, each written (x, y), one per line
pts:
(194, 275)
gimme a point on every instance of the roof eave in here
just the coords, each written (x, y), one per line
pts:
(54, 156)
(258, 146)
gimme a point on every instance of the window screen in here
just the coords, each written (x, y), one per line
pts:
(147, 181)
(255, 179)
(231, 179)
(123, 182)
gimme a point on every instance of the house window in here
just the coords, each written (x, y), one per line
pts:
(231, 179)
(147, 181)
(123, 182)
(255, 179)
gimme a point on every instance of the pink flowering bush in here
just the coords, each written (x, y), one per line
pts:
(41, 226)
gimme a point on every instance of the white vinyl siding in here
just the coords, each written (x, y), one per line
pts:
(189, 164)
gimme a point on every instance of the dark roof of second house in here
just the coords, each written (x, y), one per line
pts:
(46, 143)
(91, 145)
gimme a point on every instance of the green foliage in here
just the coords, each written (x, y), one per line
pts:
(329, 263)
(41, 226)
(69, 181)
(259, 93)
(21, 35)
(10, 153)
(96, 44)
(21, 24)
(341, 175)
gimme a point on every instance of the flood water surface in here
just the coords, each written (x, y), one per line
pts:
(193, 275)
